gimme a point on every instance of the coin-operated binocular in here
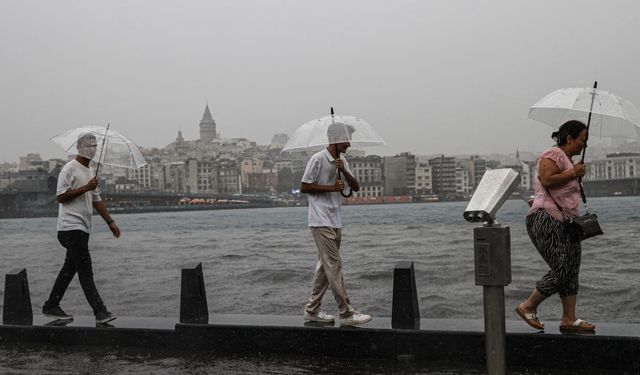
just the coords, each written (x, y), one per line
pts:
(492, 258)
(492, 242)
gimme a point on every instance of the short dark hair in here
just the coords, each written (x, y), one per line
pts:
(571, 128)
(339, 132)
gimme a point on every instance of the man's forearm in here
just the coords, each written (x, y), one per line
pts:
(102, 210)
(317, 188)
(353, 183)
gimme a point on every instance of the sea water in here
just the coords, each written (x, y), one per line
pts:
(261, 261)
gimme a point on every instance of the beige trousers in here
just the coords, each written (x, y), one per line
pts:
(328, 272)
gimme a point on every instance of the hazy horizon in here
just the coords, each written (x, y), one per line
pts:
(433, 77)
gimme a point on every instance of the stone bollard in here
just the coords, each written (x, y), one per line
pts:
(193, 299)
(405, 313)
(17, 300)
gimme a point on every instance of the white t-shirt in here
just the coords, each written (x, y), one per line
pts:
(324, 208)
(76, 214)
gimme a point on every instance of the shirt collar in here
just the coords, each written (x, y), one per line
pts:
(328, 155)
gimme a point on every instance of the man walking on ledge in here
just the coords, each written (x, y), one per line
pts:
(78, 195)
(321, 183)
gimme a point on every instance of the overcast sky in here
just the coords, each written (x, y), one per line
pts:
(452, 77)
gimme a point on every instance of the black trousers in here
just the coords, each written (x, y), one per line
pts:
(78, 261)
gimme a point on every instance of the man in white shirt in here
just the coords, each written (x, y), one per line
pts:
(321, 182)
(78, 195)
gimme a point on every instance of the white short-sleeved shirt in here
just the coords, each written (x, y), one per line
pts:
(324, 208)
(76, 214)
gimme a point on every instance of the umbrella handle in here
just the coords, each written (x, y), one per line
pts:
(350, 193)
(346, 195)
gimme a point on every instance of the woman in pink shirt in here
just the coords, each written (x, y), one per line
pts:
(557, 181)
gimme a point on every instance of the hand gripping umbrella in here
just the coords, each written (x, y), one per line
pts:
(331, 130)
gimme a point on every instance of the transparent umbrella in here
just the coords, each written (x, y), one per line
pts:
(113, 148)
(313, 134)
(322, 132)
(607, 114)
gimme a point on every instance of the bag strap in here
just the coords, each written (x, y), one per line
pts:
(584, 200)
(554, 201)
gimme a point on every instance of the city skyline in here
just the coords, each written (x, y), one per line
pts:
(432, 77)
(210, 133)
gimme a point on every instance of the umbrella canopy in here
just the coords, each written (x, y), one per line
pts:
(316, 134)
(611, 115)
(118, 150)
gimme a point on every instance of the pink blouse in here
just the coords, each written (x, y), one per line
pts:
(567, 195)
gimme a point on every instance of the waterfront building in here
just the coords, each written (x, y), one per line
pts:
(257, 175)
(424, 179)
(400, 174)
(368, 171)
(229, 177)
(443, 171)
(619, 165)
(463, 185)
(395, 176)
(201, 176)
(476, 167)
(148, 177)
(174, 177)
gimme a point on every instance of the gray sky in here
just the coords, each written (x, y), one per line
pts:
(452, 77)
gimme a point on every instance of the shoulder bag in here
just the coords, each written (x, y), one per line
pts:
(581, 227)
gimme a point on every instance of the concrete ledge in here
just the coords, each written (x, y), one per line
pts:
(613, 347)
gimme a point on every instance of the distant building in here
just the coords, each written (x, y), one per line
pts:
(400, 174)
(618, 165)
(443, 171)
(476, 168)
(423, 179)
(463, 185)
(395, 176)
(279, 140)
(31, 162)
(229, 177)
(207, 127)
(368, 171)
(174, 177)
(201, 176)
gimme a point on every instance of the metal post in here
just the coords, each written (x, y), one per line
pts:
(494, 330)
(492, 255)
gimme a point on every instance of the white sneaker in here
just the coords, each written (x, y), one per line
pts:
(355, 319)
(321, 317)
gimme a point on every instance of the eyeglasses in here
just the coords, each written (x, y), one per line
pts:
(90, 146)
